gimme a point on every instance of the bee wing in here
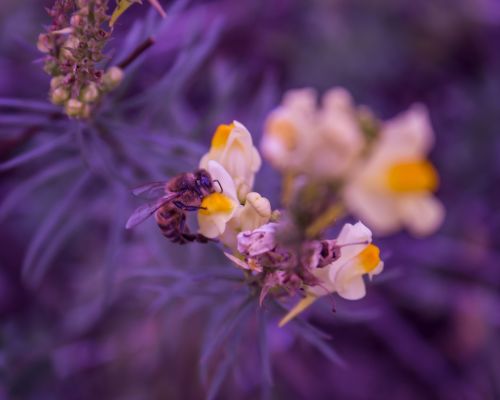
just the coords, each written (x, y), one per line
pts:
(151, 190)
(143, 212)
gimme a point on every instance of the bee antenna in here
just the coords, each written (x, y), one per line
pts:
(220, 186)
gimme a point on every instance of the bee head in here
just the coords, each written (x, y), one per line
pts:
(204, 179)
(204, 182)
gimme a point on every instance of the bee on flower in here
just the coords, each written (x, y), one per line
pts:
(217, 209)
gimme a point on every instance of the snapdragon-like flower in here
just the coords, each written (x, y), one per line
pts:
(233, 148)
(319, 267)
(358, 257)
(353, 256)
(219, 207)
(323, 142)
(394, 187)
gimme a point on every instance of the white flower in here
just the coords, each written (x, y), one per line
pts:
(344, 276)
(255, 212)
(393, 188)
(341, 137)
(289, 131)
(218, 208)
(233, 148)
(322, 142)
(358, 257)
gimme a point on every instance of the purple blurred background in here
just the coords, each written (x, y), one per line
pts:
(91, 311)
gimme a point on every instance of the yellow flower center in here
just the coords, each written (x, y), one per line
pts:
(221, 135)
(284, 130)
(369, 258)
(412, 176)
(216, 203)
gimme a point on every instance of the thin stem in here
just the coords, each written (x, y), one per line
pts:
(333, 213)
(137, 52)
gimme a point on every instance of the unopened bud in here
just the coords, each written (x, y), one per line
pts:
(259, 204)
(51, 67)
(69, 45)
(56, 82)
(76, 21)
(43, 43)
(74, 108)
(59, 95)
(90, 93)
(112, 78)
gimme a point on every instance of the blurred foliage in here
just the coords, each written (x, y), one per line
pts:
(91, 311)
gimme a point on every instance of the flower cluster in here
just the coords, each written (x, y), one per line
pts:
(73, 45)
(264, 244)
(334, 159)
(378, 169)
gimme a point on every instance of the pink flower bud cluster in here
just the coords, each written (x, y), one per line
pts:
(73, 45)
(281, 267)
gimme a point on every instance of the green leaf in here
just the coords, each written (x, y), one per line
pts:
(121, 7)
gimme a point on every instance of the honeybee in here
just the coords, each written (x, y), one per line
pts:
(173, 199)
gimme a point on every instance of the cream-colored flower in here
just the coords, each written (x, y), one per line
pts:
(218, 208)
(254, 213)
(344, 276)
(394, 187)
(342, 139)
(323, 142)
(358, 257)
(289, 134)
(233, 148)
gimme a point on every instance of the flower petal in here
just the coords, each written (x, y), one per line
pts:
(352, 289)
(422, 214)
(357, 233)
(213, 225)
(218, 172)
(376, 209)
(410, 133)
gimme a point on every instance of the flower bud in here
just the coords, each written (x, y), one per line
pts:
(56, 82)
(74, 108)
(259, 204)
(76, 21)
(112, 78)
(69, 45)
(89, 93)
(43, 43)
(51, 67)
(59, 95)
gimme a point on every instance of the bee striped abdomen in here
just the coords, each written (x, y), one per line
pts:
(172, 223)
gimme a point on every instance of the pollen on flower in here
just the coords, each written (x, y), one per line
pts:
(216, 203)
(412, 176)
(283, 130)
(369, 258)
(221, 135)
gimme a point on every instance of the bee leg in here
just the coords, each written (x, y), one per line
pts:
(185, 207)
(202, 239)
